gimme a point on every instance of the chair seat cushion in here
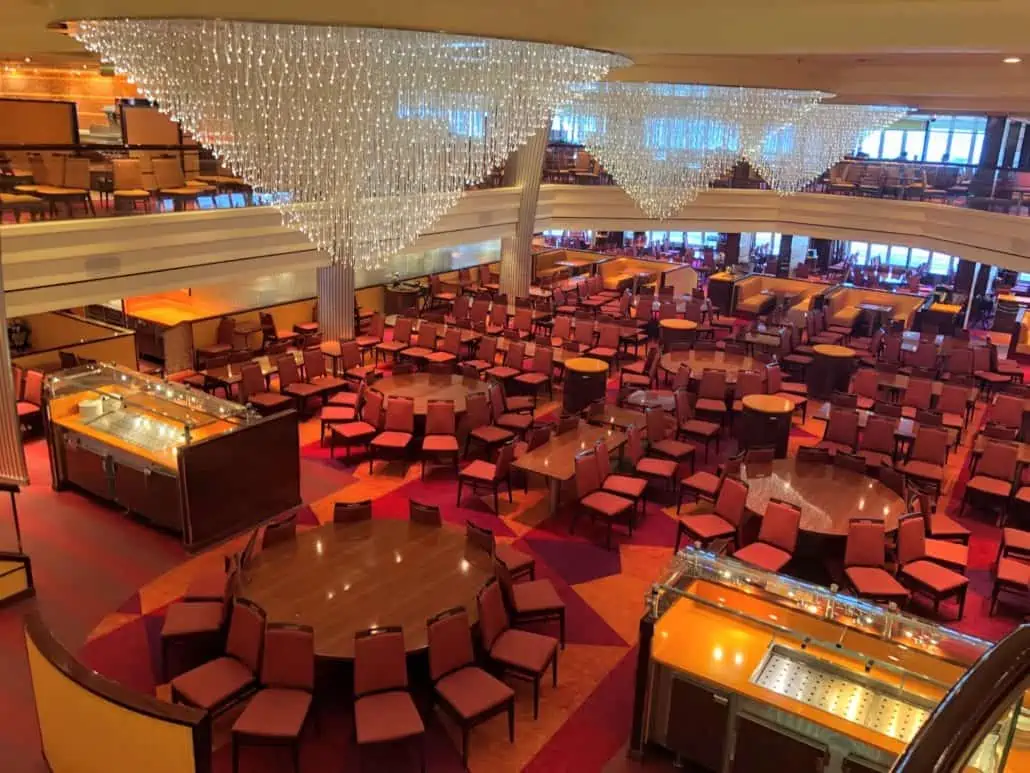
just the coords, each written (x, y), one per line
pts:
(705, 482)
(659, 468)
(503, 372)
(213, 350)
(519, 403)
(934, 576)
(992, 378)
(275, 713)
(444, 296)
(515, 560)
(132, 193)
(799, 357)
(479, 365)
(606, 504)
(763, 556)
(418, 352)
(27, 408)
(471, 691)
(344, 398)
(491, 434)
(987, 485)
(636, 368)
(953, 554)
(535, 596)
(364, 342)
(708, 526)
(337, 413)
(1023, 494)
(209, 586)
(392, 440)
(212, 683)
(479, 470)
(701, 428)
(532, 379)
(875, 582)
(353, 429)
(673, 448)
(923, 470)
(272, 400)
(633, 379)
(359, 372)
(708, 405)
(391, 346)
(875, 458)
(519, 422)
(524, 650)
(301, 389)
(440, 443)
(190, 617)
(940, 526)
(1014, 572)
(328, 383)
(386, 716)
(439, 357)
(602, 352)
(1016, 539)
(865, 403)
(793, 388)
(625, 486)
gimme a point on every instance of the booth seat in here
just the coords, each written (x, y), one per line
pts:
(756, 293)
(843, 305)
(619, 273)
(1021, 338)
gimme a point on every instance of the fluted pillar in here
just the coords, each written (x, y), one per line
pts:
(12, 455)
(524, 169)
(336, 302)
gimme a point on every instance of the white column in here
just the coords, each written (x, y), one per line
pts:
(336, 302)
(524, 169)
(12, 455)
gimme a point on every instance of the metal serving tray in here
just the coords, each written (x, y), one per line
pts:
(139, 429)
(862, 700)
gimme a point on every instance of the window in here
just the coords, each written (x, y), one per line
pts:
(936, 146)
(899, 256)
(918, 258)
(914, 141)
(871, 144)
(892, 142)
(941, 264)
(675, 237)
(695, 238)
(961, 144)
(877, 253)
(978, 146)
(859, 252)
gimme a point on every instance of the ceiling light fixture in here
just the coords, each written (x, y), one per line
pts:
(366, 137)
(1012, 60)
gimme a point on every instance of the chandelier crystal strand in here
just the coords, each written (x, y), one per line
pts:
(365, 137)
(663, 142)
(793, 155)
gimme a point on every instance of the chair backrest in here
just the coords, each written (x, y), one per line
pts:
(127, 174)
(866, 544)
(918, 394)
(371, 411)
(850, 462)
(460, 310)
(586, 473)
(487, 350)
(450, 642)
(451, 341)
(749, 382)
(499, 314)
(842, 426)
(523, 319)
(516, 355)
(440, 418)
(289, 657)
(712, 385)
(814, 455)
(289, 373)
(960, 360)
(480, 537)
(252, 382)
(352, 512)
(477, 410)
(279, 531)
(380, 662)
(427, 515)
(377, 326)
(567, 423)
(314, 363)
(866, 383)
(930, 445)
(773, 378)
(585, 332)
(634, 444)
(1006, 410)
(480, 309)
(426, 335)
(892, 348)
(562, 327)
(168, 173)
(999, 460)
(780, 525)
(732, 501)
(892, 479)
(890, 410)
(504, 459)
(925, 355)
(493, 616)
(402, 330)
(496, 395)
(911, 538)
(760, 455)
(878, 435)
(953, 399)
(246, 634)
(981, 358)
(656, 426)
(609, 336)
(400, 415)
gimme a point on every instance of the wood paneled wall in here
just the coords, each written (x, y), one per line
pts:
(90, 90)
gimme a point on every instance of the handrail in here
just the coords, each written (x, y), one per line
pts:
(976, 700)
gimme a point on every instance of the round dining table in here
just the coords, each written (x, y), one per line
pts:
(703, 360)
(829, 496)
(423, 387)
(341, 579)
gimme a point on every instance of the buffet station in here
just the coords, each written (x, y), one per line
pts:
(744, 670)
(185, 461)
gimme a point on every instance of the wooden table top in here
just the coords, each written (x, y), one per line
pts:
(231, 374)
(619, 417)
(556, 459)
(586, 365)
(345, 578)
(829, 496)
(717, 360)
(423, 387)
(830, 350)
(767, 404)
(678, 324)
(652, 398)
(900, 381)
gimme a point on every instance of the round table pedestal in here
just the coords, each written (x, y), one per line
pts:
(765, 422)
(585, 383)
(830, 370)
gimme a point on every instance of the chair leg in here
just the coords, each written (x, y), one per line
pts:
(554, 670)
(561, 628)
(511, 721)
(458, 503)
(536, 698)
(235, 755)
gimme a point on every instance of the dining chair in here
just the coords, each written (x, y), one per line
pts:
(626, 486)
(661, 440)
(598, 504)
(196, 626)
(352, 512)
(813, 455)
(711, 394)
(841, 432)
(486, 356)
(531, 601)
(927, 457)
(775, 385)
(724, 522)
(481, 431)
(649, 467)
(519, 564)
(398, 430)
(919, 572)
(706, 485)
(954, 407)
(316, 375)
(278, 712)
(916, 397)
(512, 414)
(440, 439)
(361, 431)
(489, 474)
(466, 692)
(254, 392)
(384, 712)
(777, 538)
(852, 462)
(865, 558)
(876, 444)
(291, 384)
(426, 515)
(373, 337)
(993, 475)
(401, 339)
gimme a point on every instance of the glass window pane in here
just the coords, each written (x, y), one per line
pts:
(899, 256)
(940, 264)
(695, 238)
(870, 144)
(918, 258)
(978, 146)
(858, 252)
(936, 145)
(675, 237)
(892, 143)
(914, 141)
(961, 143)
(711, 238)
(877, 253)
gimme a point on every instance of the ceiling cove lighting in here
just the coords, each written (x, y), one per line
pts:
(664, 143)
(1012, 60)
(366, 137)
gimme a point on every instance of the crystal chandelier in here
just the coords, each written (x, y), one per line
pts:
(366, 136)
(793, 155)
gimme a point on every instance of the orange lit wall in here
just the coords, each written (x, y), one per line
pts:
(90, 90)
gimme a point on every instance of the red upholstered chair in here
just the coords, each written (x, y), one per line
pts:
(1012, 568)
(661, 444)
(351, 363)
(954, 407)
(521, 654)
(561, 331)
(775, 385)
(876, 444)
(622, 485)
(643, 373)
(866, 386)
(519, 564)
(31, 403)
(706, 485)
(439, 293)
(598, 504)
(497, 321)
(688, 425)
(1006, 410)
(777, 538)
(272, 334)
(276, 715)
(291, 384)
(467, 693)
(984, 371)
(383, 709)
(994, 475)
(448, 349)
(426, 515)
(711, 394)
(254, 392)
(927, 457)
(539, 374)
(425, 343)
(352, 512)
(491, 475)
(749, 382)
(607, 348)
(916, 397)
(532, 601)
(223, 342)
(841, 433)
(513, 361)
(401, 339)
(219, 683)
(486, 355)
(939, 527)
(460, 310)
(315, 373)
(282, 530)
(398, 430)
(478, 415)
(647, 467)
(723, 523)
(509, 413)
(371, 339)
(864, 561)
(922, 574)
(356, 433)
(522, 324)
(440, 441)
(197, 624)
